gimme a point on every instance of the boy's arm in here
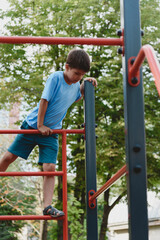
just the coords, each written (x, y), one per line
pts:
(41, 114)
(90, 79)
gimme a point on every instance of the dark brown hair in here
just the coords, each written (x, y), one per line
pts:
(78, 58)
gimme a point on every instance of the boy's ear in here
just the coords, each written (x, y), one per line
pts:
(67, 66)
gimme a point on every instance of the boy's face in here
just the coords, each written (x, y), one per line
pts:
(73, 75)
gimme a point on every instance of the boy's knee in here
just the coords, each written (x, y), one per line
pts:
(6, 160)
(49, 167)
(9, 157)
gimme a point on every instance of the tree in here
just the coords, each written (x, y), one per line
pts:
(26, 73)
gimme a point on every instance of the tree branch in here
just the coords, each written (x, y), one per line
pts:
(117, 200)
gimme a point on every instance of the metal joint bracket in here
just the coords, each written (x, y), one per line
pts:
(133, 80)
(121, 50)
(91, 203)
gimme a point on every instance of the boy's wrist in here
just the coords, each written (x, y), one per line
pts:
(39, 125)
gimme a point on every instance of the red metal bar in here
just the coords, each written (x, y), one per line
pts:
(148, 52)
(60, 173)
(108, 184)
(28, 217)
(17, 174)
(64, 180)
(59, 131)
(61, 40)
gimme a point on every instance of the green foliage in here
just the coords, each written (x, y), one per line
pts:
(76, 228)
(8, 229)
(14, 200)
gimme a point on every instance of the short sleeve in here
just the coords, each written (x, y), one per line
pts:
(79, 95)
(49, 88)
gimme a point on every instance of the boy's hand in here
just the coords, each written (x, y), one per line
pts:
(91, 79)
(45, 130)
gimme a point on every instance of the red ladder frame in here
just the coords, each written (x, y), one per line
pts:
(62, 173)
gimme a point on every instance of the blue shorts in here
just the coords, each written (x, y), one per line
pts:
(24, 144)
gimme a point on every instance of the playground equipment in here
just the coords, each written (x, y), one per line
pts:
(135, 167)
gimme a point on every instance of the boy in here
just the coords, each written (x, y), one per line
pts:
(61, 90)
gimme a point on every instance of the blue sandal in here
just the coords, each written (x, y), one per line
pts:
(53, 212)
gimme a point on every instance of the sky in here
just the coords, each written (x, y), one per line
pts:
(3, 4)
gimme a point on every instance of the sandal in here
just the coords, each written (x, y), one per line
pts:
(53, 212)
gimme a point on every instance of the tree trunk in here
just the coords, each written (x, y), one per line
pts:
(106, 212)
(44, 230)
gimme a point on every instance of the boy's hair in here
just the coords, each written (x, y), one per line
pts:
(78, 58)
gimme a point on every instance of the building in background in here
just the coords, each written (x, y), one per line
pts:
(118, 220)
(8, 120)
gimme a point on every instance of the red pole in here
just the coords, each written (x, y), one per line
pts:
(64, 180)
(28, 217)
(112, 180)
(148, 52)
(59, 131)
(17, 174)
(61, 40)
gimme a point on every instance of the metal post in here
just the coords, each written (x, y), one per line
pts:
(92, 230)
(134, 126)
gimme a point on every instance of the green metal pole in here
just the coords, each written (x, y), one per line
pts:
(90, 148)
(134, 126)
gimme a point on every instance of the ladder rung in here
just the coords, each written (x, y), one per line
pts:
(9, 174)
(29, 217)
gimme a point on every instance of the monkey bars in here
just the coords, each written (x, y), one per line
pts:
(54, 41)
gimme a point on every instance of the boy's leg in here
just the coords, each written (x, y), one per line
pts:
(48, 150)
(48, 184)
(48, 189)
(6, 160)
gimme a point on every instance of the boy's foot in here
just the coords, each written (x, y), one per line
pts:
(53, 212)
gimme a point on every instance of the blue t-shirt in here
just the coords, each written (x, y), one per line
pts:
(60, 97)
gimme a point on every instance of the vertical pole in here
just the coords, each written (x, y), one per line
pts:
(134, 126)
(92, 232)
(64, 181)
